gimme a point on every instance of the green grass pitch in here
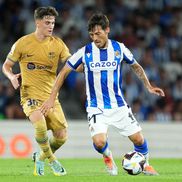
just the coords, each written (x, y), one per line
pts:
(87, 170)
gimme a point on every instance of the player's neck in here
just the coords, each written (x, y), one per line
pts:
(40, 36)
(105, 46)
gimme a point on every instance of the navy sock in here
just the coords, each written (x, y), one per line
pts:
(143, 149)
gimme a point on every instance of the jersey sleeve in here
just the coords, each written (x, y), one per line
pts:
(76, 59)
(127, 55)
(16, 51)
(65, 54)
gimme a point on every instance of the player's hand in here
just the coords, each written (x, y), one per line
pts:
(46, 106)
(157, 91)
(14, 80)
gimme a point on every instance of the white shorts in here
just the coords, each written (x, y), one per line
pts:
(120, 118)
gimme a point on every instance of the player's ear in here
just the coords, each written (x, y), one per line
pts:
(37, 23)
(107, 30)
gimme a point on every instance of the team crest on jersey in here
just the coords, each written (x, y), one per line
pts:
(117, 54)
(51, 55)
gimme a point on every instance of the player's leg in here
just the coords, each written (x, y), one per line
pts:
(98, 129)
(41, 137)
(140, 145)
(128, 126)
(101, 145)
(56, 141)
(57, 123)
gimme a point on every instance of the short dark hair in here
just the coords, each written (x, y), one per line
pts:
(98, 19)
(40, 12)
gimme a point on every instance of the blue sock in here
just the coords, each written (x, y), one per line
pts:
(143, 149)
(105, 150)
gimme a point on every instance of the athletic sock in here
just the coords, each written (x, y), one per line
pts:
(55, 144)
(42, 139)
(105, 150)
(143, 149)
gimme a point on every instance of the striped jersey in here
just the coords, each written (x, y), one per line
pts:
(103, 73)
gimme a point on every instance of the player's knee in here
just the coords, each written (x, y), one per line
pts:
(101, 147)
(40, 127)
(99, 144)
(60, 137)
(61, 141)
(137, 138)
(36, 116)
(138, 141)
(61, 134)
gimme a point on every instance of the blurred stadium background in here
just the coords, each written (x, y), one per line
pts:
(151, 29)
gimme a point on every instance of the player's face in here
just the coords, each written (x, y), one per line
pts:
(45, 26)
(99, 36)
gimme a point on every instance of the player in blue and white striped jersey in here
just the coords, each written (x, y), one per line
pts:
(102, 60)
(103, 73)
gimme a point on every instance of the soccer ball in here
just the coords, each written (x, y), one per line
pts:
(133, 163)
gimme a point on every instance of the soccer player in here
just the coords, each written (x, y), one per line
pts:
(38, 55)
(102, 60)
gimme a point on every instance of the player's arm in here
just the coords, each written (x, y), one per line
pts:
(79, 69)
(47, 105)
(65, 55)
(139, 71)
(7, 70)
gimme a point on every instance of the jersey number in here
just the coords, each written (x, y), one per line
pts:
(130, 115)
(32, 102)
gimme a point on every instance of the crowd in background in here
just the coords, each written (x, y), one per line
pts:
(151, 29)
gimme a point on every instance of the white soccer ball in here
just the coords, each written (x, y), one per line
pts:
(133, 163)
